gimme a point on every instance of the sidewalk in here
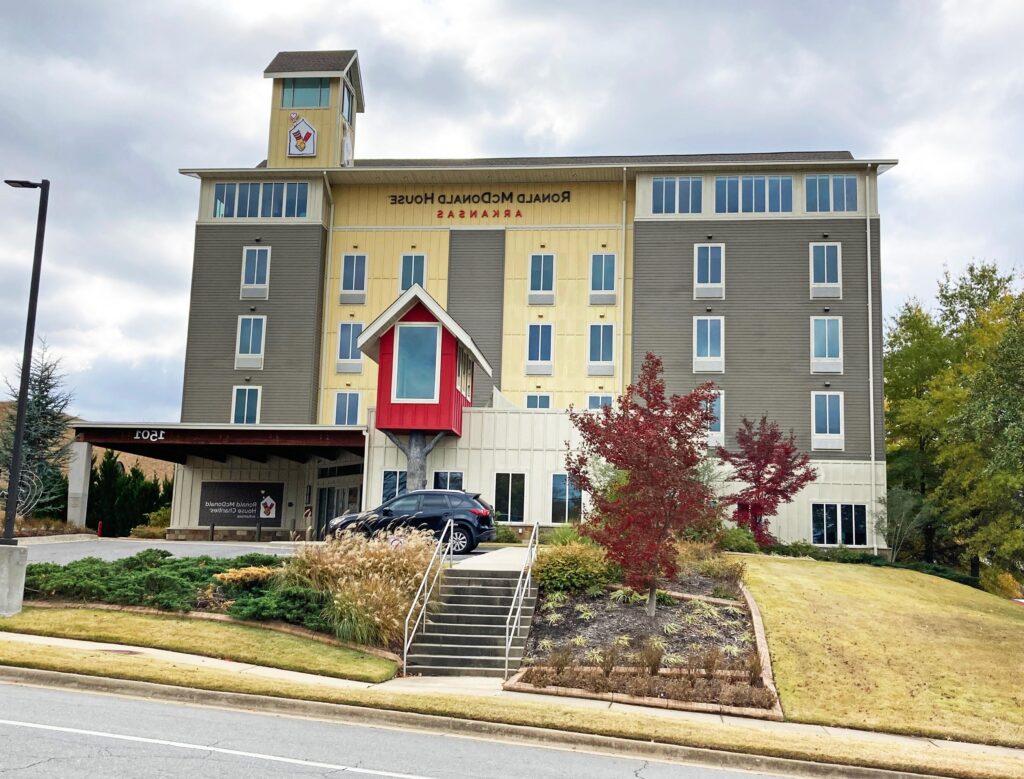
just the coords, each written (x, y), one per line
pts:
(491, 688)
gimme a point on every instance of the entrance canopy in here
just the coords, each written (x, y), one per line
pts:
(176, 442)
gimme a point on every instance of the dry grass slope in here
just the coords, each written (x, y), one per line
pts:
(892, 650)
(210, 639)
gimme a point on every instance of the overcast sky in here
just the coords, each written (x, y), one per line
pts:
(109, 99)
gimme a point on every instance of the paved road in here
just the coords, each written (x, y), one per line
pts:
(116, 548)
(57, 733)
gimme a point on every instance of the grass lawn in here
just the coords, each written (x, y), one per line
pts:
(749, 738)
(892, 650)
(210, 639)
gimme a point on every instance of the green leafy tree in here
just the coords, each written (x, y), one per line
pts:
(123, 499)
(47, 444)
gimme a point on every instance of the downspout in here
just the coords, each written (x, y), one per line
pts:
(871, 355)
(623, 381)
(327, 301)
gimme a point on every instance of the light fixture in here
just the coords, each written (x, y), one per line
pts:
(252, 308)
(710, 237)
(824, 235)
(22, 184)
(708, 309)
(828, 384)
(257, 239)
(827, 309)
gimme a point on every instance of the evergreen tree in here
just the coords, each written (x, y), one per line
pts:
(46, 446)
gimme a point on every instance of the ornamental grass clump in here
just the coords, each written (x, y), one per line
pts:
(369, 584)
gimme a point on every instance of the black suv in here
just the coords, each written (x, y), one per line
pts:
(472, 517)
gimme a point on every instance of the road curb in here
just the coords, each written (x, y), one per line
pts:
(56, 539)
(521, 734)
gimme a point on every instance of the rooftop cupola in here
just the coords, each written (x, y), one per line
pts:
(313, 108)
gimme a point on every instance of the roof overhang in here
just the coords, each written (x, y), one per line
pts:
(555, 173)
(369, 339)
(350, 71)
(177, 442)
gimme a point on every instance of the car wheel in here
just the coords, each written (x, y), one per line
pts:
(462, 542)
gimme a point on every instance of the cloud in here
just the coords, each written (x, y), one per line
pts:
(110, 99)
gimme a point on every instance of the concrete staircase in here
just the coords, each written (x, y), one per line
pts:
(465, 636)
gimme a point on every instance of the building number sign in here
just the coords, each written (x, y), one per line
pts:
(150, 435)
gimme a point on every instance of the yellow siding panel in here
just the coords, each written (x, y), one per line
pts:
(326, 121)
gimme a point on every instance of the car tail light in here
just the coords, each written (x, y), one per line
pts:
(480, 512)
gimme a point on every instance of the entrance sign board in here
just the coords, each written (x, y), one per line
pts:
(241, 503)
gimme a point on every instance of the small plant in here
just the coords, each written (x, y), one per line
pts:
(710, 661)
(554, 601)
(566, 535)
(738, 539)
(609, 659)
(626, 595)
(704, 609)
(674, 660)
(651, 653)
(585, 612)
(732, 650)
(561, 658)
(545, 645)
(573, 567)
(623, 641)
(593, 656)
(733, 611)
(722, 593)
(746, 637)
(579, 640)
(554, 618)
(664, 599)
(671, 628)
(752, 665)
(248, 576)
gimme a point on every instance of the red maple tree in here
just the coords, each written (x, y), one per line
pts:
(772, 471)
(655, 444)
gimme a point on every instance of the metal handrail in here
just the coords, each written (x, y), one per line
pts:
(442, 551)
(515, 612)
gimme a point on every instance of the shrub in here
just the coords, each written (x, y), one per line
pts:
(1000, 583)
(560, 658)
(723, 569)
(610, 658)
(565, 535)
(738, 539)
(159, 518)
(368, 584)
(247, 577)
(651, 654)
(506, 535)
(147, 531)
(296, 605)
(572, 567)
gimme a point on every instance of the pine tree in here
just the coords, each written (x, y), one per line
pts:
(46, 447)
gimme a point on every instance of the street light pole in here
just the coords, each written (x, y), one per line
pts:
(14, 472)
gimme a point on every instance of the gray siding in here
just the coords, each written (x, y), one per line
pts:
(767, 314)
(291, 363)
(476, 295)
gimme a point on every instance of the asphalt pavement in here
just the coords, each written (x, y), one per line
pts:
(59, 733)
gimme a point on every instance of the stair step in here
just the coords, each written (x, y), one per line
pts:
(469, 639)
(461, 661)
(483, 600)
(466, 651)
(478, 589)
(428, 670)
(482, 609)
(472, 573)
(461, 628)
(468, 618)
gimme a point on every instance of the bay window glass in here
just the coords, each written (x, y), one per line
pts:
(417, 363)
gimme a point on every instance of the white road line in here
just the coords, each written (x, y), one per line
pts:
(219, 750)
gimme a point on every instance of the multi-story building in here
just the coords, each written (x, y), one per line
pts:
(759, 272)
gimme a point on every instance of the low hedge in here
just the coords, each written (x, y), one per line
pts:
(843, 554)
(573, 567)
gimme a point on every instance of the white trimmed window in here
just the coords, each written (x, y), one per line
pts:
(602, 279)
(394, 484)
(538, 400)
(414, 271)
(539, 345)
(347, 101)
(826, 344)
(601, 350)
(830, 193)
(833, 524)
(542, 279)
(346, 408)
(716, 430)
(255, 273)
(826, 270)
(566, 499)
(350, 359)
(353, 279)
(417, 363)
(708, 270)
(597, 402)
(249, 342)
(266, 200)
(827, 420)
(510, 497)
(447, 480)
(676, 195)
(708, 344)
(464, 378)
(245, 405)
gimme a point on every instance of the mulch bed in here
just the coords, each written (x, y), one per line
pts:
(589, 623)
